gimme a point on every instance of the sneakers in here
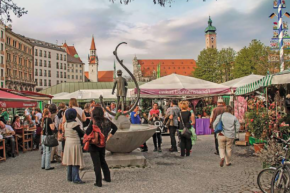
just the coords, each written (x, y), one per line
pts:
(155, 150)
(222, 162)
(173, 149)
(51, 168)
(159, 149)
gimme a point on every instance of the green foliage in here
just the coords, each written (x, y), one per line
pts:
(258, 122)
(226, 59)
(198, 111)
(207, 67)
(252, 59)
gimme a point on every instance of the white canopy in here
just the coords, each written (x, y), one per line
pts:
(89, 94)
(281, 77)
(238, 82)
(177, 85)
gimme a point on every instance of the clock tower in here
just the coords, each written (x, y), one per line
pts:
(210, 35)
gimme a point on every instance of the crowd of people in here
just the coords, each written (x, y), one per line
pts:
(70, 125)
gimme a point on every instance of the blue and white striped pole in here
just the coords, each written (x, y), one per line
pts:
(281, 34)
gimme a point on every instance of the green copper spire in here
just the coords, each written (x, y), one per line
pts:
(210, 28)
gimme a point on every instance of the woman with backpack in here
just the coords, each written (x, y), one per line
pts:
(73, 155)
(107, 129)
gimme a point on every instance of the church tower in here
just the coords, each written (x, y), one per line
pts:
(93, 62)
(210, 35)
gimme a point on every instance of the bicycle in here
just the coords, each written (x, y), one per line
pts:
(264, 179)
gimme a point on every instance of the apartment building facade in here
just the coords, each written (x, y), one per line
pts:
(75, 69)
(50, 64)
(19, 69)
(2, 55)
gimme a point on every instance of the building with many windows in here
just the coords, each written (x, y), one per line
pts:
(50, 64)
(2, 55)
(75, 66)
(19, 67)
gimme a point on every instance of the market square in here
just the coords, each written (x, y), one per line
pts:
(177, 96)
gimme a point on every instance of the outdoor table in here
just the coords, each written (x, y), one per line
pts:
(202, 126)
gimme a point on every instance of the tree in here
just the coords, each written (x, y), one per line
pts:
(252, 59)
(8, 5)
(160, 2)
(226, 59)
(207, 66)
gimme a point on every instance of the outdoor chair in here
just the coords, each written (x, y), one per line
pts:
(25, 138)
(2, 147)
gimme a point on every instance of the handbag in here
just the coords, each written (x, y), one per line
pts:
(185, 132)
(219, 128)
(50, 140)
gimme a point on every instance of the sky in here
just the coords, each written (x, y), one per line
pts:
(151, 31)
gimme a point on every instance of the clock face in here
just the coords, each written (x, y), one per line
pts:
(212, 38)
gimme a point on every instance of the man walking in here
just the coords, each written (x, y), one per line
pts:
(173, 115)
(220, 109)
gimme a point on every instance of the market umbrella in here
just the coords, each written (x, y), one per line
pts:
(238, 82)
(10, 100)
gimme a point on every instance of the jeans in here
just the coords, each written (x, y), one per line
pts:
(73, 174)
(157, 139)
(172, 130)
(54, 150)
(45, 160)
(216, 143)
(98, 157)
(185, 144)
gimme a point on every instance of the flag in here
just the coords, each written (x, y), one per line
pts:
(158, 71)
(114, 69)
(272, 15)
(287, 14)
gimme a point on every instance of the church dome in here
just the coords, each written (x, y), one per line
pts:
(210, 28)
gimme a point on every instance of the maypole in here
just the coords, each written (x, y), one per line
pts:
(280, 32)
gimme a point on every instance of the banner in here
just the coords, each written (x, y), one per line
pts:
(17, 104)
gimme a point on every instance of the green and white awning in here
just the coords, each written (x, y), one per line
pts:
(265, 81)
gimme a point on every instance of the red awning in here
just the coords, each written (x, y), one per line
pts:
(9, 100)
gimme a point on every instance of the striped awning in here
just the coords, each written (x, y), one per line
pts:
(265, 81)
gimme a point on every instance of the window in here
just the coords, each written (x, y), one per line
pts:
(72, 76)
(20, 61)
(35, 63)
(60, 74)
(49, 82)
(57, 74)
(49, 73)
(45, 54)
(36, 82)
(45, 73)
(67, 65)
(40, 53)
(49, 55)
(64, 74)
(77, 77)
(60, 65)
(57, 67)
(40, 62)
(49, 64)
(1, 47)
(14, 43)
(19, 46)
(57, 57)
(64, 57)
(2, 59)
(35, 52)
(45, 82)
(25, 49)
(8, 41)
(57, 82)
(76, 70)
(40, 72)
(40, 82)
(44, 63)
(61, 57)
(80, 65)
(64, 66)
(2, 34)
(68, 76)
(9, 57)
(80, 71)
(36, 74)
(72, 70)
(67, 70)
(81, 77)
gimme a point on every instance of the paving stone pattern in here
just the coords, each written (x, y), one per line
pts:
(166, 173)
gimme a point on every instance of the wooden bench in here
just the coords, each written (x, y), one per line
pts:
(26, 137)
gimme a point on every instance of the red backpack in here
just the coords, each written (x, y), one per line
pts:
(99, 138)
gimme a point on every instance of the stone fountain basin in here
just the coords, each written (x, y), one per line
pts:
(126, 141)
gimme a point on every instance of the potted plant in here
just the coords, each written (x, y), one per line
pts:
(258, 126)
(206, 111)
(199, 112)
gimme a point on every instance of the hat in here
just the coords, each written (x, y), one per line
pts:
(71, 115)
(220, 100)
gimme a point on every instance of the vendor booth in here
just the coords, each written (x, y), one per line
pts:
(9, 100)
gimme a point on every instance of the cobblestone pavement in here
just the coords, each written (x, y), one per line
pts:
(166, 172)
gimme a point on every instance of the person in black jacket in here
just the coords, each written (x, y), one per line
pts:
(98, 154)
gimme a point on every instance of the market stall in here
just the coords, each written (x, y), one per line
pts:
(9, 100)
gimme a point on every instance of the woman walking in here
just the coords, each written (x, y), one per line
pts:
(73, 155)
(98, 153)
(226, 138)
(48, 128)
(185, 120)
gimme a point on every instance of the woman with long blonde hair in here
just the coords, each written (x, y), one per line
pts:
(81, 117)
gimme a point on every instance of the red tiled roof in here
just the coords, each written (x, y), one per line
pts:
(71, 50)
(87, 75)
(93, 46)
(105, 76)
(178, 66)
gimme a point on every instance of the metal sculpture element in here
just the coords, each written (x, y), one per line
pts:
(121, 84)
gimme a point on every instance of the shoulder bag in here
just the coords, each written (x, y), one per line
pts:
(50, 140)
(219, 128)
(185, 132)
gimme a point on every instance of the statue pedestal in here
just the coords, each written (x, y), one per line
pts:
(133, 159)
